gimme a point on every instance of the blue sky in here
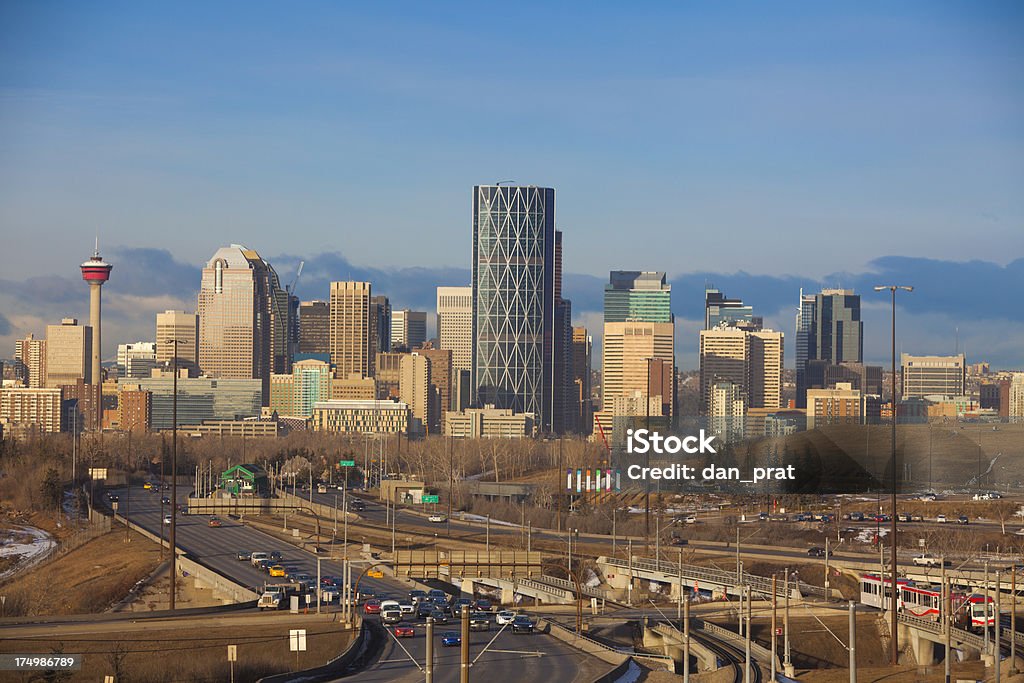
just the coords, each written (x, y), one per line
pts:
(789, 140)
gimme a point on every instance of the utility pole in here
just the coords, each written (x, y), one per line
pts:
(739, 579)
(613, 531)
(999, 590)
(629, 598)
(451, 484)
(947, 625)
(987, 612)
(174, 473)
(787, 663)
(828, 593)
(430, 650)
(488, 528)
(686, 634)
(679, 604)
(464, 670)
(775, 642)
(1013, 622)
(746, 646)
(853, 642)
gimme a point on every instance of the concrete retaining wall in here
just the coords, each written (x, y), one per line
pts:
(582, 643)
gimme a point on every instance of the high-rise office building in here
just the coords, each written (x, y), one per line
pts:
(350, 337)
(751, 360)
(388, 374)
(639, 347)
(137, 359)
(637, 296)
(183, 327)
(415, 390)
(727, 410)
(933, 376)
(31, 352)
(514, 298)
(582, 351)
(314, 327)
(408, 329)
(1014, 395)
(441, 380)
(455, 324)
(68, 353)
(295, 394)
(828, 328)
(380, 324)
(719, 309)
(244, 318)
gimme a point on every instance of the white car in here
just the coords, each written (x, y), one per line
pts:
(437, 519)
(1020, 532)
(692, 519)
(927, 560)
(505, 617)
(941, 519)
(167, 519)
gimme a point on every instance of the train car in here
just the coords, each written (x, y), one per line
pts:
(923, 601)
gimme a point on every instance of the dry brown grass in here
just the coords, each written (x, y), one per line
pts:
(86, 580)
(194, 655)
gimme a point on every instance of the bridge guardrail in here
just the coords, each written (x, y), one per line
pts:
(758, 583)
(571, 586)
(616, 650)
(958, 635)
(756, 651)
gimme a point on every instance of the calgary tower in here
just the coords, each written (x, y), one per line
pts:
(96, 271)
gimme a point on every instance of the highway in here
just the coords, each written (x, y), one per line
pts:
(217, 548)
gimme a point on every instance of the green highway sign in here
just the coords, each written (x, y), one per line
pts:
(347, 463)
(429, 499)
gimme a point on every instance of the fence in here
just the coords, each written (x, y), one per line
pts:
(98, 527)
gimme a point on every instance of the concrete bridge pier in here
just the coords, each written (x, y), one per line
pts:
(921, 644)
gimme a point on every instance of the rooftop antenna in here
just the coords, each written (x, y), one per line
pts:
(506, 182)
(956, 350)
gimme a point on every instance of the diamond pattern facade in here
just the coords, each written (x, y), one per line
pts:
(514, 298)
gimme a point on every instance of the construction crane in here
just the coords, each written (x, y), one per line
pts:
(291, 288)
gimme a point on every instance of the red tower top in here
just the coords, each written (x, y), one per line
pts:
(96, 269)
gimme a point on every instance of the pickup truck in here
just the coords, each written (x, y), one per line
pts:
(927, 561)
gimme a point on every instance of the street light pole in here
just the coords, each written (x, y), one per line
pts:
(174, 470)
(894, 654)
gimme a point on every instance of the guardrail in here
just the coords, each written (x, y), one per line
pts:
(957, 635)
(571, 586)
(598, 645)
(717, 576)
(758, 652)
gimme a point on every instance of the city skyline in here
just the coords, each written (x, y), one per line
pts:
(945, 313)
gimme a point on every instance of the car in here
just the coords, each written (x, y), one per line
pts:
(165, 501)
(371, 606)
(407, 607)
(451, 639)
(903, 517)
(962, 519)
(404, 631)
(480, 621)
(278, 570)
(167, 519)
(389, 604)
(356, 505)
(690, 519)
(112, 497)
(264, 564)
(763, 516)
(483, 605)
(816, 551)
(321, 488)
(417, 596)
(929, 497)
(927, 560)
(522, 624)
(940, 519)
(275, 555)
(676, 540)
(243, 555)
(437, 594)
(437, 519)
(214, 522)
(505, 617)
(423, 609)
(391, 615)
(916, 518)
(856, 516)
(458, 604)
(439, 616)
(329, 592)
(257, 556)
(304, 578)
(1019, 532)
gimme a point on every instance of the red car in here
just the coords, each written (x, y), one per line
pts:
(372, 606)
(404, 632)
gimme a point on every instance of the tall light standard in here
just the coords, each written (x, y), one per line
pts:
(174, 465)
(894, 653)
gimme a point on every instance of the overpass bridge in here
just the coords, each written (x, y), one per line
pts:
(621, 573)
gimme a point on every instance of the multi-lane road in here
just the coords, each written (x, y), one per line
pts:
(535, 656)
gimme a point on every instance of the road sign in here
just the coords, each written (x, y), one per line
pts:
(232, 653)
(297, 640)
(347, 463)
(375, 574)
(429, 499)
